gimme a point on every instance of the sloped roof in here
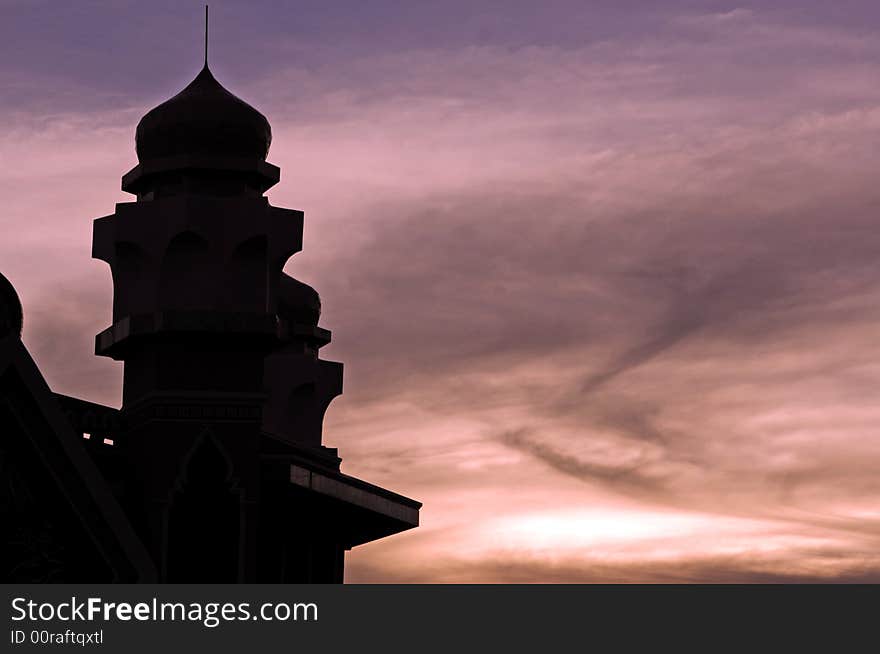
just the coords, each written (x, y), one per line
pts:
(64, 523)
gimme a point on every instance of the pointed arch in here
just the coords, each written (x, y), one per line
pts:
(204, 518)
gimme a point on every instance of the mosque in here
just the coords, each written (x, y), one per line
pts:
(214, 468)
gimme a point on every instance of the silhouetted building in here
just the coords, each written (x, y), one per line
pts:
(214, 469)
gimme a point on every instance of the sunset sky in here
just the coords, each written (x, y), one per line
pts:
(605, 276)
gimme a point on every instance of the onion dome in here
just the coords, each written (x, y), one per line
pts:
(204, 119)
(10, 310)
(298, 303)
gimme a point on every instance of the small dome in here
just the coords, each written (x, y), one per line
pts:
(10, 310)
(203, 119)
(298, 303)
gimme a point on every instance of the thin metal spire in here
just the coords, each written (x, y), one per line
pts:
(206, 36)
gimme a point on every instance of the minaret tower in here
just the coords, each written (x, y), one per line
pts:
(224, 393)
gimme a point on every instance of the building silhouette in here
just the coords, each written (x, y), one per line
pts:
(214, 468)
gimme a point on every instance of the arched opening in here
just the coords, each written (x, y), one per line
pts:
(186, 281)
(246, 285)
(130, 271)
(204, 521)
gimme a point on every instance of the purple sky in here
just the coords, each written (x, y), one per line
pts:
(605, 276)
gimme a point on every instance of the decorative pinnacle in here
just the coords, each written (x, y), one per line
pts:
(206, 36)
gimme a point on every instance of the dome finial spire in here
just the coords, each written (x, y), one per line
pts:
(206, 36)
